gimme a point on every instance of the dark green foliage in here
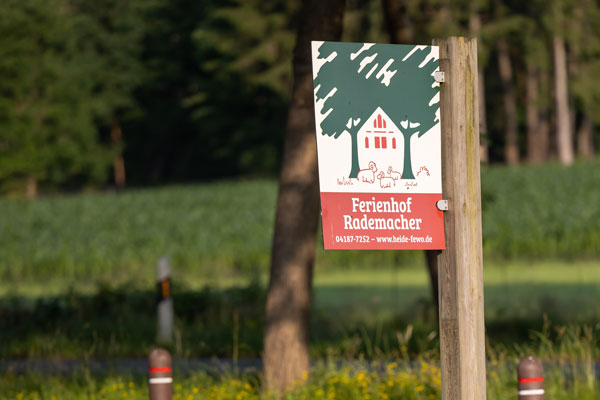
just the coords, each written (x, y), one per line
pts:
(68, 72)
(47, 130)
(200, 89)
(216, 102)
(196, 89)
(110, 36)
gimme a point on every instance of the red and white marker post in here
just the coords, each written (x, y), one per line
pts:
(160, 375)
(530, 373)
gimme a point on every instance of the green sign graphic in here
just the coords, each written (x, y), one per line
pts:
(356, 78)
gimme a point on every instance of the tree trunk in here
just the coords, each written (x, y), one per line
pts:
(537, 142)
(116, 135)
(285, 357)
(511, 147)
(431, 257)
(355, 167)
(545, 115)
(474, 28)
(563, 124)
(445, 17)
(31, 187)
(585, 138)
(483, 141)
(407, 172)
(397, 21)
(544, 133)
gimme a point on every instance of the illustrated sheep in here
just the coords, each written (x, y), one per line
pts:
(367, 175)
(395, 175)
(385, 181)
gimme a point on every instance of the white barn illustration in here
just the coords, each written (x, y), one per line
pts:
(380, 141)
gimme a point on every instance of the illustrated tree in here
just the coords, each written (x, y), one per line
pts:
(343, 96)
(411, 102)
(399, 79)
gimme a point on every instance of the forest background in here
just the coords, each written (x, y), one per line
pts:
(106, 93)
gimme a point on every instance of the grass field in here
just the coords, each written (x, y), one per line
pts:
(78, 271)
(570, 375)
(356, 313)
(78, 282)
(529, 213)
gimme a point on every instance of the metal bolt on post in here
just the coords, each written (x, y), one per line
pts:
(160, 375)
(531, 379)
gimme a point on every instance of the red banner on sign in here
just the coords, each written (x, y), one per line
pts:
(382, 221)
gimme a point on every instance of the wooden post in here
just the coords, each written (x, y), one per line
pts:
(460, 276)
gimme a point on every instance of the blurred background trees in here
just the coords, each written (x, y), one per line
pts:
(143, 92)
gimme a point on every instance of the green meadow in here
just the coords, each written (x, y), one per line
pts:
(78, 277)
(529, 213)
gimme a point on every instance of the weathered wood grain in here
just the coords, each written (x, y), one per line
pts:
(462, 331)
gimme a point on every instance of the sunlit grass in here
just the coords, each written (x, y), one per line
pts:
(569, 353)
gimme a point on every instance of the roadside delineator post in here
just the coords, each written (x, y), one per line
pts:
(160, 375)
(165, 302)
(530, 373)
